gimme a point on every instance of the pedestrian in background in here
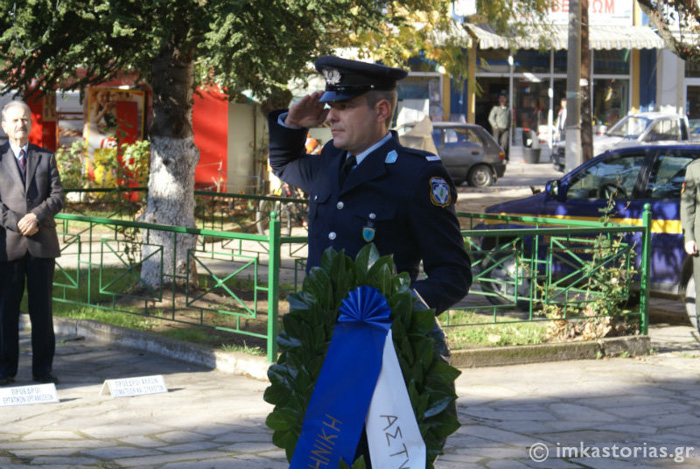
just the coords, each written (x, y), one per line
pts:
(560, 125)
(500, 119)
(30, 195)
(690, 222)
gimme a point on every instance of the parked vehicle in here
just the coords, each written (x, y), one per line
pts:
(635, 129)
(630, 178)
(468, 151)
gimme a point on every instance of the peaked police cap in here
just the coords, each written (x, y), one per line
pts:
(346, 79)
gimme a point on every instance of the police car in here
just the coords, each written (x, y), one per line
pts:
(631, 177)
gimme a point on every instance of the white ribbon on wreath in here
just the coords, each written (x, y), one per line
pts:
(392, 430)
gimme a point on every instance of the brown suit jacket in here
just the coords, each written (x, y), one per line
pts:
(41, 194)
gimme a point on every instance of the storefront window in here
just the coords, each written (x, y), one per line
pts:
(493, 61)
(611, 62)
(610, 100)
(531, 104)
(692, 105)
(692, 69)
(531, 61)
(560, 61)
(422, 93)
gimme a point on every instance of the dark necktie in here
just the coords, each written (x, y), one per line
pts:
(345, 169)
(22, 160)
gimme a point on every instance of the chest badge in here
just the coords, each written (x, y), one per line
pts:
(368, 230)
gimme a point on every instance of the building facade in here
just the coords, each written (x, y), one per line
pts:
(531, 69)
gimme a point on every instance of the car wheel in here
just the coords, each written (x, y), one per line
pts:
(689, 301)
(480, 176)
(498, 277)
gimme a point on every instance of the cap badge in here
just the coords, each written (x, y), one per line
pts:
(332, 76)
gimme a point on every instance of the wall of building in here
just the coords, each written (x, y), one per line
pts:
(670, 82)
(210, 124)
(245, 123)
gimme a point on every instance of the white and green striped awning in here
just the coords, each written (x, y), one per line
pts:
(557, 37)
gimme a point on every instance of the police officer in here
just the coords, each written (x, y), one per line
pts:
(690, 221)
(365, 187)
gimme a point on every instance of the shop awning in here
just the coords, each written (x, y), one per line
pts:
(600, 37)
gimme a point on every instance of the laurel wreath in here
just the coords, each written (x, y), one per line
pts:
(307, 331)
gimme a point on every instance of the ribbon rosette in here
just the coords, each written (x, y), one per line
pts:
(348, 384)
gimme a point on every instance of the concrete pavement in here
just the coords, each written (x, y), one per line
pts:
(563, 414)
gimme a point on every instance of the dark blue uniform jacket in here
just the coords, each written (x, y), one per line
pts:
(392, 192)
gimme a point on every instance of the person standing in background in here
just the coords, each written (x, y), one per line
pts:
(560, 127)
(690, 223)
(30, 195)
(500, 118)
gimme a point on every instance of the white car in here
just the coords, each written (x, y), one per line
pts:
(635, 129)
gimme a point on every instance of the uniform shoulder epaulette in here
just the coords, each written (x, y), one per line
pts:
(422, 153)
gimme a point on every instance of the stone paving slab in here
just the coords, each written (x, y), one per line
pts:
(616, 412)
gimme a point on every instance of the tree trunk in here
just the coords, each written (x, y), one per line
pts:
(174, 157)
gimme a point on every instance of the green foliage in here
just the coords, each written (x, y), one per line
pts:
(128, 166)
(677, 22)
(506, 14)
(307, 332)
(239, 45)
(71, 164)
(257, 46)
(482, 332)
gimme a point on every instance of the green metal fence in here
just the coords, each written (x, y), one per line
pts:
(250, 252)
(527, 267)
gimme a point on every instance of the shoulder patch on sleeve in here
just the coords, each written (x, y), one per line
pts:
(440, 194)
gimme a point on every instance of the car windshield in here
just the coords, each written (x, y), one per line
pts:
(629, 127)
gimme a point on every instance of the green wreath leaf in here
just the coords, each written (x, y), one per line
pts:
(307, 331)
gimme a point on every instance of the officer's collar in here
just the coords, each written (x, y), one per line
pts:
(381, 142)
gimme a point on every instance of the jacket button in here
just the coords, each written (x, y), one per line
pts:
(340, 205)
(331, 235)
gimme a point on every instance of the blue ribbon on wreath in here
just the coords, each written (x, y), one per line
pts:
(339, 403)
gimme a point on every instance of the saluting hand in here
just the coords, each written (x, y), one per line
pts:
(307, 112)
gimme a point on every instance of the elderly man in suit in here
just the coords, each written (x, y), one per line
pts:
(30, 195)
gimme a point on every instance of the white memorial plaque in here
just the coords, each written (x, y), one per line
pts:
(25, 395)
(135, 386)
